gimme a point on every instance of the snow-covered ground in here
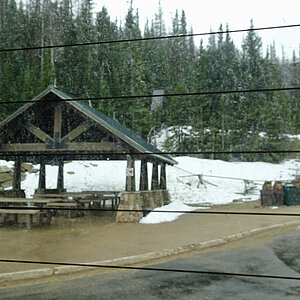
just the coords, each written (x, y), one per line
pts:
(184, 188)
(223, 190)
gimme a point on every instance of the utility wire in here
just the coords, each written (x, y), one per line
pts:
(150, 269)
(94, 155)
(146, 39)
(207, 212)
(129, 97)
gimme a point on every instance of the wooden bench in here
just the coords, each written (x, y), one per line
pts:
(63, 195)
(63, 205)
(103, 197)
(89, 200)
(17, 212)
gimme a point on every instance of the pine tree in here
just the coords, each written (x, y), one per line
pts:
(294, 81)
(130, 77)
(104, 66)
(245, 121)
(251, 104)
(67, 58)
(84, 56)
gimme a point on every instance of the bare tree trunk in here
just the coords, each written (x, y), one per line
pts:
(223, 123)
(42, 41)
(223, 132)
(52, 43)
(213, 144)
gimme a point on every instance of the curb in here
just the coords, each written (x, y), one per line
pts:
(129, 260)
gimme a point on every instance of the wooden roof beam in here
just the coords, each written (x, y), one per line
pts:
(77, 131)
(43, 136)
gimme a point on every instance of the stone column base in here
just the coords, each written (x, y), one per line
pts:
(142, 200)
(129, 201)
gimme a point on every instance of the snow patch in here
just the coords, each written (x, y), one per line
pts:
(160, 217)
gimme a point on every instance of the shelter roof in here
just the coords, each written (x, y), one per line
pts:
(127, 136)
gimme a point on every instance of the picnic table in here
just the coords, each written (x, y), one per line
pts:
(43, 206)
(21, 208)
(87, 198)
(63, 195)
(6, 200)
(69, 200)
(103, 197)
(29, 213)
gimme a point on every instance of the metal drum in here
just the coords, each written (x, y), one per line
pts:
(267, 195)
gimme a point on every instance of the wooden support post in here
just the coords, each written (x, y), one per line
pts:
(42, 176)
(163, 179)
(15, 218)
(48, 216)
(60, 177)
(17, 175)
(57, 123)
(144, 175)
(154, 182)
(5, 218)
(130, 175)
(28, 221)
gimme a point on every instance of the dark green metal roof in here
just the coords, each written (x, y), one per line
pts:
(137, 142)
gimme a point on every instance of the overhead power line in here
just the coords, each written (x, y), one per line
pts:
(133, 97)
(147, 39)
(231, 274)
(206, 212)
(60, 153)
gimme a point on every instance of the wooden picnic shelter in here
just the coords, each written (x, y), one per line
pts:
(53, 128)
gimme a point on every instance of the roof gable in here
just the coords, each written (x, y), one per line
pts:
(111, 125)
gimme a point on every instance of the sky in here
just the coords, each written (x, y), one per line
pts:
(207, 15)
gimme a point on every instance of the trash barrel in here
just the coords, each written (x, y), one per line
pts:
(297, 184)
(267, 195)
(291, 195)
(278, 193)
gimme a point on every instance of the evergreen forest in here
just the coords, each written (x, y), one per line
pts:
(209, 122)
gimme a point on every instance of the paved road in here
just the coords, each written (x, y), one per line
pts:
(279, 256)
